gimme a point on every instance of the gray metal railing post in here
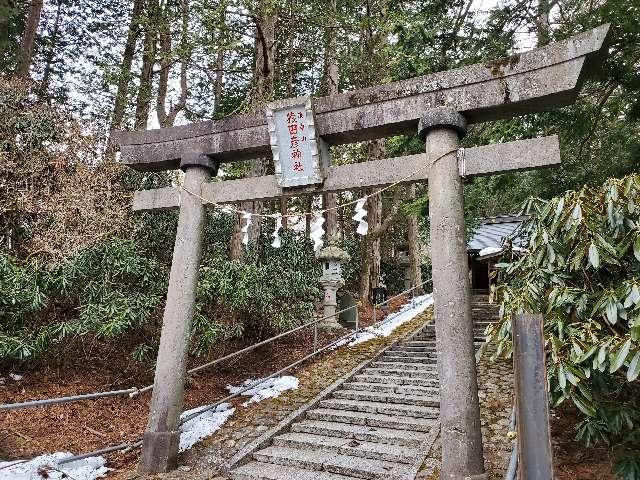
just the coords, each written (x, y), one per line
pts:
(136, 392)
(315, 337)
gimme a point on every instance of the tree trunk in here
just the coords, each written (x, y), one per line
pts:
(543, 29)
(332, 78)
(371, 252)
(236, 247)
(258, 169)
(218, 82)
(46, 76)
(375, 214)
(265, 47)
(29, 38)
(415, 273)
(308, 205)
(263, 76)
(368, 254)
(124, 79)
(167, 119)
(284, 201)
(143, 99)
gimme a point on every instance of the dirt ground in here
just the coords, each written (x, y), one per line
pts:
(91, 425)
(572, 461)
(86, 426)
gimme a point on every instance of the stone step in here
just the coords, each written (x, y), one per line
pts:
(272, 471)
(381, 435)
(341, 464)
(410, 366)
(399, 352)
(372, 419)
(392, 388)
(380, 407)
(344, 446)
(419, 343)
(425, 362)
(386, 397)
(400, 372)
(396, 380)
(391, 357)
(415, 349)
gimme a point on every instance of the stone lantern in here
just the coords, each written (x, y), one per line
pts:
(331, 280)
(405, 263)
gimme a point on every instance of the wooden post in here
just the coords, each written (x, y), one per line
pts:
(462, 457)
(162, 438)
(535, 457)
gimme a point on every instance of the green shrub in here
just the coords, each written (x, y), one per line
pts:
(271, 291)
(105, 291)
(582, 271)
(116, 288)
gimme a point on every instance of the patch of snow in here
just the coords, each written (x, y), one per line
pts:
(16, 377)
(489, 251)
(269, 388)
(383, 329)
(194, 430)
(48, 466)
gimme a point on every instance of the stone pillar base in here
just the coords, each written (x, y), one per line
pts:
(331, 319)
(159, 452)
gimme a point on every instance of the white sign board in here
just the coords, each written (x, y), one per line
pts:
(299, 156)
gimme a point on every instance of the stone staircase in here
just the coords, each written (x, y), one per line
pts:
(379, 424)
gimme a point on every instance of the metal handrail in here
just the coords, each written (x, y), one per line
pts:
(134, 391)
(404, 292)
(412, 289)
(125, 447)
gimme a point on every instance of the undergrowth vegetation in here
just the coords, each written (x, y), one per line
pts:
(110, 290)
(77, 266)
(582, 272)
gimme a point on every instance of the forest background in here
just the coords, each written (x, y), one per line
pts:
(79, 269)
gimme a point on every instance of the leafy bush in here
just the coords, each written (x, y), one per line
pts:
(105, 290)
(114, 288)
(582, 271)
(272, 290)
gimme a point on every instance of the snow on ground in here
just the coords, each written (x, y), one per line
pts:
(208, 423)
(204, 425)
(48, 466)
(383, 329)
(265, 389)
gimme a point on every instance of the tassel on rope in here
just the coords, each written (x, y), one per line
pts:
(363, 226)
(276, 233)
(317, 232)
(246, 216)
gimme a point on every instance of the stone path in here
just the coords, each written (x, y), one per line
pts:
(380, 423)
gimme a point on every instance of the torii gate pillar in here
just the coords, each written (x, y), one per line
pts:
(162, 436)
(462, 456)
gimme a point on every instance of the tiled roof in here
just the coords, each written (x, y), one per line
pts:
(492, 232)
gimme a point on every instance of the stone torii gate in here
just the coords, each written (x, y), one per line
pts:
(438, 107)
